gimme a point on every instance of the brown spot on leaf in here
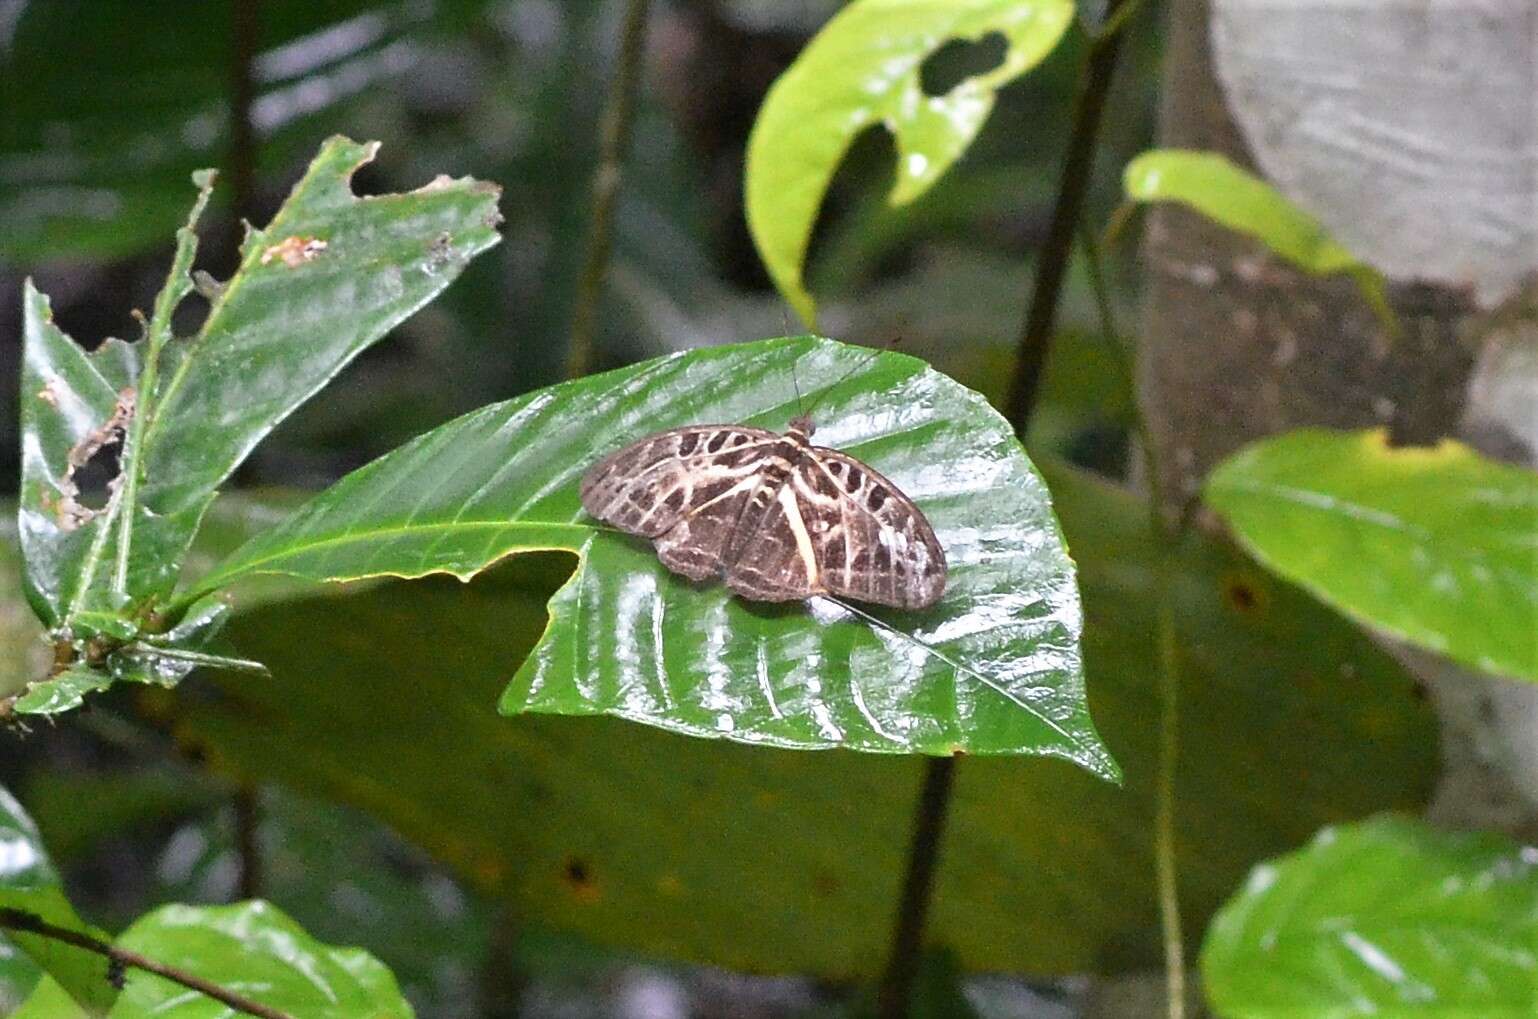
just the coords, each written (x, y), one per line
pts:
(69, 511)
(294, 251)
(578, 877)
(1242, 595)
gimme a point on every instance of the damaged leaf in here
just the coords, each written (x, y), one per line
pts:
(69, 511)
(283, 326)
(81, 402)
(862, 70)
(330, 275)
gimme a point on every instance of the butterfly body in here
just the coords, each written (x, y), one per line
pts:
(775, 517)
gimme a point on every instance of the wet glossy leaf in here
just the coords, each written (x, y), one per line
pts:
(19, 976)
(861, 70)
(254, 949)
(29, 882)
(1388, 917)
(719, 852)
(331, 274)
(993, 668)
(80, 177)
(1227, 194)
(1435, 545)
(68, 400)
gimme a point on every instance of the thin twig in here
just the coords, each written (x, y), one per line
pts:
(248, 843)
(29, 923)
(1052, 266)
(1167, 535)
(923, 855)
(1166, 873)
(929, 820)
(614, 142)
(245, 25)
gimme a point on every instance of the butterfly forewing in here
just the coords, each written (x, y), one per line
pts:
(647, 487)
(778, 518)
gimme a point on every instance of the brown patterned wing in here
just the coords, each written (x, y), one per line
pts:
(871, 542)
(685, 487)
(771, 556)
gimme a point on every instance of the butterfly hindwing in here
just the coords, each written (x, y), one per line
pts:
(772, 557)
(872, 543)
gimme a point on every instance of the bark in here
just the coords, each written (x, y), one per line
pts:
(1236, 345)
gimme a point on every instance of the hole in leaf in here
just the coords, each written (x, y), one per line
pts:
(840, 258)
(93, 477)
(960, 59)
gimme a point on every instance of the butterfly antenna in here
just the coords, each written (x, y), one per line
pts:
(870, 355)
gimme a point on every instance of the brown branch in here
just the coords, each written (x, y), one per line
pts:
(923, 857)
(244, 29)
(29, 923)
(248, 846)
(1052, 267)
(614, 142)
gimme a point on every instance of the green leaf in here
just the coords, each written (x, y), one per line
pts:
(253, 949)
(1435, 545)
(714, 851)
(19, 978)
(50, 1001)
(71, 402)
(29, 882)
(993, 668)
(330, 275)
(1226, 194)
(1388, 917)
(79, 178)
(863, 69)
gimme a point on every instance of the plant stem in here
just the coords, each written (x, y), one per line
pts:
(1167, 535)
(245, 22)
(1165, 870)
(929, 820)
(923, 855)
(29, 923)
(248, 845)
(614, 141)
(1052, 267)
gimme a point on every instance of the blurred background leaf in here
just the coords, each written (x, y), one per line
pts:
(864, 68)
(29, 882)
(1433, 544)
(1388, 916)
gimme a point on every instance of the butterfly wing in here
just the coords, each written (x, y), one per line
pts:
(772, 557)
(871, 542)
(685, 487)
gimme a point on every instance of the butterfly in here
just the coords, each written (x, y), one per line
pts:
(776, 517)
